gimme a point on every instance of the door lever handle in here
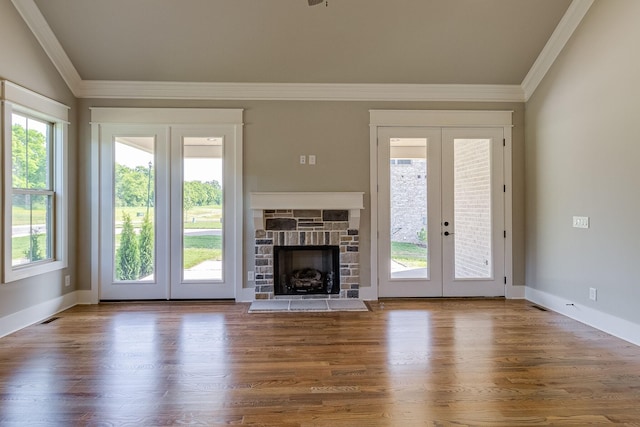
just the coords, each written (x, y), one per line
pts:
(446, 233)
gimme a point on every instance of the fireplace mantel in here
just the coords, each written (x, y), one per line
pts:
(350, 201)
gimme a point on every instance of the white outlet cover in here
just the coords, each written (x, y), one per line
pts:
(303, 160)
(312, 159)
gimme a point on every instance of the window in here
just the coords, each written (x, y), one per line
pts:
(32, 192)
(34, 183)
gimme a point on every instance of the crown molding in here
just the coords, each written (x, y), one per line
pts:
(49, 42)
(299, 91)
(559, 38)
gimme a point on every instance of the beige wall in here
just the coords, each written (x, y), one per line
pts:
(277, 133)
(25, 63)
(582, 158)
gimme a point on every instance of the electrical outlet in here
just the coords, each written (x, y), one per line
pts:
(67, 280)
(250, 276)
(303, 160)
(593, 294)
(312, 159)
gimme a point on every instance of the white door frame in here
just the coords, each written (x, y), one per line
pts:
(440, 118)
(170, 117)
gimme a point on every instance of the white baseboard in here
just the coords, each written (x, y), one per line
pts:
(21, 319)
(613, 325)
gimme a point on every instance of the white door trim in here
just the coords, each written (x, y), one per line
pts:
(439, 118)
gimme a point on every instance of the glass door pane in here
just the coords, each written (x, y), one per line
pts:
(134, 208)
(472, 208)
(408, 208)
(202, 230)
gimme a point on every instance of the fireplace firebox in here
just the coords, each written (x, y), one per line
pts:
(304, 270)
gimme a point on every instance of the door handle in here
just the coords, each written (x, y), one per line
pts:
(446, 233)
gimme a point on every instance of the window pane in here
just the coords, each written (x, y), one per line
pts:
(472, 204)
(202, 207)
(409, 215)
(30, 150)
(134, 204)
(31, 236)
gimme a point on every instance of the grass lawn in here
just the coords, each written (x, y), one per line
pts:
(408, 254)
(198, 249)
(197, 217)
(202, 225)
(21, 216)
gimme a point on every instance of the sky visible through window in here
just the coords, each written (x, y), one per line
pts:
(195, 169)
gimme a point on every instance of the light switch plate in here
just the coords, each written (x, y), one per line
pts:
(580, 222)
(312, 159)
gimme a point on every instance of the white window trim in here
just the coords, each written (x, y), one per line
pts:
(16, 99)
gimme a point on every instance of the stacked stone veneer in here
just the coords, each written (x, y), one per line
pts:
(307, 228)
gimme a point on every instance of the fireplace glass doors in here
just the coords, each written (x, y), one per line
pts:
(305, 270)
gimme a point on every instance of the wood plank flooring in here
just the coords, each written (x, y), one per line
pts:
(405, 363)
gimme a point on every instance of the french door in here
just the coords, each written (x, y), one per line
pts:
(167, 212)
(440, 212)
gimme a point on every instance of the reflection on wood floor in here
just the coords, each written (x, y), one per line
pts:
(405, 363)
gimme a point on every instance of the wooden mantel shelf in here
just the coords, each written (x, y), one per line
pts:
(351, 201)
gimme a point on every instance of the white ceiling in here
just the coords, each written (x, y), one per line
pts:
(410, 42)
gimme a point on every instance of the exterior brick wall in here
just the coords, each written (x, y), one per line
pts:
(472, 177)
(408, 199)
(307, 228)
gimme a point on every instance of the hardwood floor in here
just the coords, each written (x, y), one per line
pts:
(405, 363)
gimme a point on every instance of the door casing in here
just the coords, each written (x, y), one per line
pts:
(229, 118)
(441, 119)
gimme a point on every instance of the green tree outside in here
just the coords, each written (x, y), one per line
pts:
(146, 247)
(29, 158)
(127, 255)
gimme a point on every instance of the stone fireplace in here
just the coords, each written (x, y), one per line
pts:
(307, 245)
